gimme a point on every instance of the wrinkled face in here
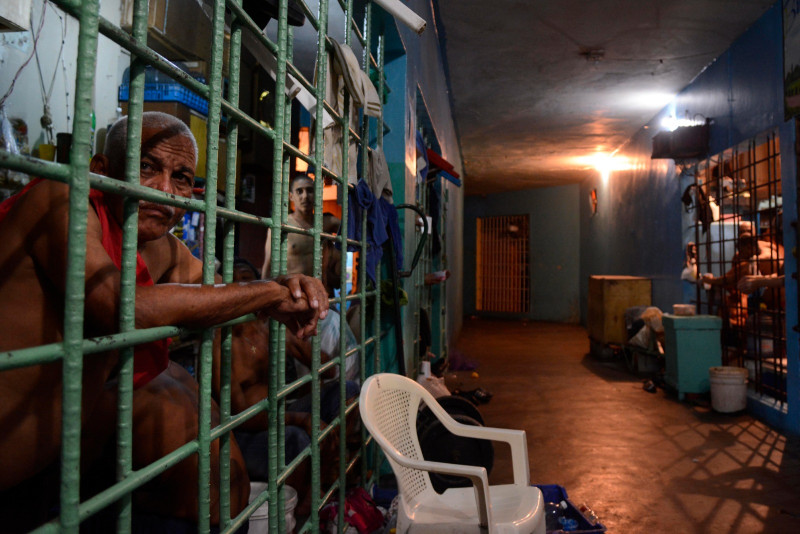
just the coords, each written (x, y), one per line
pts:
(302, 195)
(167, 164)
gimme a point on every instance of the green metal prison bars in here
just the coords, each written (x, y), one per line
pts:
(74, 347)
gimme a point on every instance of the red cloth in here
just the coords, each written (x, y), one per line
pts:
(149, 359)
(8, 203)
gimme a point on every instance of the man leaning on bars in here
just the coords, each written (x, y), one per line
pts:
(33, 251)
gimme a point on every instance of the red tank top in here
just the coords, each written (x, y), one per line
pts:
(149, 359)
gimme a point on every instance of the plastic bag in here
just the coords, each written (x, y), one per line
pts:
(329, 342)
(644, 338)
(360, 511)
(7, 134)
(8, 142)
(652, 318)
(434, 385)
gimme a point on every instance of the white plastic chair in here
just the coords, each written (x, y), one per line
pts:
(389, 404)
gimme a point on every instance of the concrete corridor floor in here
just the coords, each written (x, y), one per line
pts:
(644, 462)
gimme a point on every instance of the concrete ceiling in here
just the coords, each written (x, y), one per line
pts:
(537, 85)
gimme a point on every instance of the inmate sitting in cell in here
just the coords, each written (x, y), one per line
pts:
(33, 252)
(249, 385)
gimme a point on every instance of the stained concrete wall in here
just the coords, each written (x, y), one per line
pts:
(554, 229)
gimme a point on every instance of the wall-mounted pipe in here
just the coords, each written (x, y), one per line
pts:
(402, 13)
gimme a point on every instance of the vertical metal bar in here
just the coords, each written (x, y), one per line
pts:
(279, 209)
(362, 271)
(348, 103)
(376, 299)
(128, 274)
(76, 259)
(234, 61)
(321, 78)
(444, 265)
(491, 279)
(209, 252)
(281, 355)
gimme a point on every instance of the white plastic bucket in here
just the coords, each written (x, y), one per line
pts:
(728, 388)
(259, 521)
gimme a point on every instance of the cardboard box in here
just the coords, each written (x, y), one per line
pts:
(176, 29)
(609, 297)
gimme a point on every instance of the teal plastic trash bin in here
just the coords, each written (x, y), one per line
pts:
(692, 346)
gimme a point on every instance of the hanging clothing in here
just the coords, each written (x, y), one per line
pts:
(393, 227)
(149, 359)
(333, 133)
(357, 81)
(380, 181)
(346, 76)
(381, 219)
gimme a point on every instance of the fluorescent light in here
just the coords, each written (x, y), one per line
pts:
(646, 99)
(671, 123)
(605, 164)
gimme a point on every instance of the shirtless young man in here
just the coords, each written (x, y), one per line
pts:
(300, 253)
(33, 249)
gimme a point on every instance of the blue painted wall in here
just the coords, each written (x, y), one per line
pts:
(639, 228)
(554, 253)
(414, 64)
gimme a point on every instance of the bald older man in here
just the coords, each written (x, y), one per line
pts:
(33, 250)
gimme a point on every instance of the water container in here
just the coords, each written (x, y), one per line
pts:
(728, 388)
(259, 521)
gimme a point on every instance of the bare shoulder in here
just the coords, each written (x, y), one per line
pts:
(38, 222)
(45, 200)
(169, 260)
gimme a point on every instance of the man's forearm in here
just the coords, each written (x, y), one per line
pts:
(202, 306)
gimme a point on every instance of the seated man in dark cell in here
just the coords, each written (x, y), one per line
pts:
(33, 251)
(250, 360)
(754, 257)
(250, 385)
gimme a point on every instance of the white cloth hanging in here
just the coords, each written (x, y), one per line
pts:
(357, 81)
(380, 181)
